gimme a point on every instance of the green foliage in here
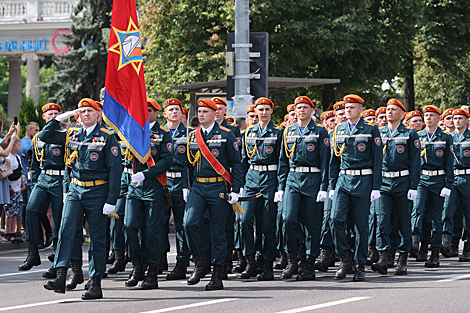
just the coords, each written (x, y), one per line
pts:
(3, 83)
(29, 112)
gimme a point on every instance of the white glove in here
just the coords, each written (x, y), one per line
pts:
(331, 194)
(279, 196)
(240, 194)
(63, 197)
(185, 194)
(108, 208)
(66, 115)
(445, 192)
(138, 177)
(233, 197)
(412, 194)
(374, 195)
(321, 196)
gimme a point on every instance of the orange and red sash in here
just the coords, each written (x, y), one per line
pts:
(161, 178)
(219, 168)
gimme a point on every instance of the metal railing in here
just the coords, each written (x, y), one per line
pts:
(32, 11)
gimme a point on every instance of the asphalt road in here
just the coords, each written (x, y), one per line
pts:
(445, 289)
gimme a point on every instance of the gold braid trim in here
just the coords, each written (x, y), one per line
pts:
(191, 157)
(128, 155)
(69, 158)
(289, 152)
(336, 149)
(39, 155)
(250, 153)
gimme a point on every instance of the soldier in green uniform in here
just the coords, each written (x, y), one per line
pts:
(459, 198)
(47, 174)
(435, 184)
(262, 145)
(355, 173)
(400, 178)
(145, 212)
(178, 184)
(94, 160)
(211, 156)
(303, 175)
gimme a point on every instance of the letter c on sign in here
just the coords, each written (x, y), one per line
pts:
(57, 34)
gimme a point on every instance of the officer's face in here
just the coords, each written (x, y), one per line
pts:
(449, 121)
(219, 115)
(303, 111)
(416, 123)
(370, 119)
(88, 116)
(152, 114)
(331, 123)
(252, 118)
(264, 112)
(173, 113)
(353, 110)
(341, 116)
(49, 115)
(460, 121)
(206, 116)
(382, 120)
(431, 119)
(394, 113)
(292, 117)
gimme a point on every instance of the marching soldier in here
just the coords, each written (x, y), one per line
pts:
(262, 145)
(145, 212)
(355, 172)
(435, 184)
(303, 177)
(381, 117)
(369, 116)
(414, 120)
(251, 116)
(212, 150)
(94, 160)
(340, 112)
(401, 171)
(447, 117)
(292, 115)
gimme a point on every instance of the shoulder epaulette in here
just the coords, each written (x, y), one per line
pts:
(319, 125)
(445, 132)
(232, 124)
(251, 126)
(369, 123)
(104, 130)
(74, 128)
(164, 128)
(407, 127)
(277, 127)
(224, 128)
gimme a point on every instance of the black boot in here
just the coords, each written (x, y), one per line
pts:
(119, 264)
(88, 284)
(228, 264)
(446, 247)
(33, 258)
(94, 292)
(360, 274)
(391, 258)
(50, 273)
(259, 264)
(414, 246)
(51, 257)
(138, 273)
(373, 256)
(292, 266)
(251, 269)
(49, 240)
(401, 266)
(216, 281)
(302, 264)
(200, 270)
(434, 258)
(58, 284)
(76, 277)
(111, 258)
(324, 260)
(179, 272)
(282, 264)
(465, 253)
(163, 265)
(267, 273)
(423, 252)
(344, 266)
(382, 265)
(241, 264)
(309, 271)
(454, 247)
(151, 281)
(207, 261)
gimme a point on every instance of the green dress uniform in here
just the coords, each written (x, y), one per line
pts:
(355, 170)
(205, 190)
(303, 172)
(260, 164)
(94, 162)
(401, 171)
(145, 211)
(437, 162)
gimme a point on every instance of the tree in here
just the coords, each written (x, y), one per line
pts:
(29, 112)
(82, 69)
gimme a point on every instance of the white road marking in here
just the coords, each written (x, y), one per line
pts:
(324, 305)
(454, 278)
(30, 272)
(188, 306)
(23, 306)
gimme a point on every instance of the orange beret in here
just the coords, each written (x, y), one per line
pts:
(185, 112)
(447, 112)
(153, 103)
(304, 99)
(286, 117)
(290, 107)
(219, 100)
(51, 106)
(207, 103)
(77, 115)
(339, 106)
(329, 114)
(251, 108)
(461, 112)
(369, 112)
(171, 102)
(396, 102)
(229, 119)
(353, 99)
(413, 114)
(431, 108)
(87, 102)
(381, 110)
(263, 100)
(100, 104)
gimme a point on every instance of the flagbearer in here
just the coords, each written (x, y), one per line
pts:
(212, 151)
(94, 161)
(145, 213)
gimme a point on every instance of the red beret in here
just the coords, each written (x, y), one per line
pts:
(229, 119)
(413, 114)
(304, 99)
(251, 108)
(263, 100)
(366, 113)
(326, 115)
(51, 106)
(447, 112)
(219, 100)
(381, 110)
(396, 102)
(154, 104)
(172, 102)
(353, 99)
(431, 108)
(185, 112)
(339, 106)
(87, 102)
(207, 103)
(461, 112)
(290, 107)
